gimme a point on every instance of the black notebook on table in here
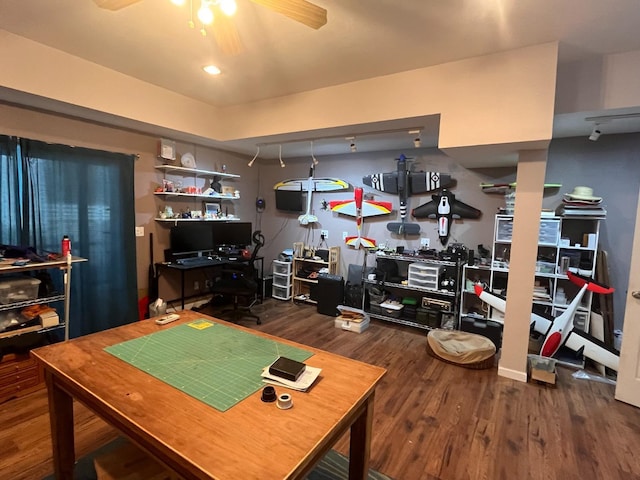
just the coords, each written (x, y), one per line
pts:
(286, 368)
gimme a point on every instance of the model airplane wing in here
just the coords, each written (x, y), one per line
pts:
(419, 182)
(445, 207)
(318, 184)
(507, 187)
(369, 208)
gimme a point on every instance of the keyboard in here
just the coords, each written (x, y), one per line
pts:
(197, 261)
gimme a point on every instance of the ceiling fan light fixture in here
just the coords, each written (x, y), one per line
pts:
(211, 69)
(228, 7)
(205, 14)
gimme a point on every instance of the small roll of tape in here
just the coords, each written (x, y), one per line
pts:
(284, 401)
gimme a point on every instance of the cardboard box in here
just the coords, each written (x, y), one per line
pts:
(542, 369)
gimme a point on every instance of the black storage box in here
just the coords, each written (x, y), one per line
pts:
(482, 326)
(329, 294)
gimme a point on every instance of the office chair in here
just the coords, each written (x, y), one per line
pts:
(240, 280)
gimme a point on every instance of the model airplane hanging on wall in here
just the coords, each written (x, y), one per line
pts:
(445, 208)
(311, 184)
(405, 183)
(360, 208)
(560, 331)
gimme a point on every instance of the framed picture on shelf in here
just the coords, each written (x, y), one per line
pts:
(211, 209)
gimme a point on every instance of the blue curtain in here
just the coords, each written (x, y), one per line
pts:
(87, 195)
(10, 192)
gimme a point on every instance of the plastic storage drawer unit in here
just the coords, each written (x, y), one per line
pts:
(18, 289)
(424, 276)
(281, 268)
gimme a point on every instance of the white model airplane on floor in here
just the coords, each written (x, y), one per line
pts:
(560, 331)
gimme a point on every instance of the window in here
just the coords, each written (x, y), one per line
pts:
(56, 190)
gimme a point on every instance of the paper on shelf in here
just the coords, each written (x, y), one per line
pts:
(305, 380)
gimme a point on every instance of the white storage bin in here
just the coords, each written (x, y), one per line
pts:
(18, 289)
(425, 276)
(281, 280)
(351, 326)
(282, 268)
(281, 293)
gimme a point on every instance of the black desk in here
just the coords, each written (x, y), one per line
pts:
(211, 264)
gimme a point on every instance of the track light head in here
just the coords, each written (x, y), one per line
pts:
(595, 134)
(250, 164)
(417, 141)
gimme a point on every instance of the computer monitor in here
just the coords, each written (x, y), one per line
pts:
(234, 234)
(192, 238)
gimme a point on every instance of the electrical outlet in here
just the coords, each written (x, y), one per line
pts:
(345, 235)
(139, 231)
(424, 242)
(196, 285)
(208, 283)
(325, 234)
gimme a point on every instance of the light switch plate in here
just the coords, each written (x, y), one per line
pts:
(139, 231)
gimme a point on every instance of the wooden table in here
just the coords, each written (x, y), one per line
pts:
(251, 440)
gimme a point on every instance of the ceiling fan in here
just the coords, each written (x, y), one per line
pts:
(225, 33)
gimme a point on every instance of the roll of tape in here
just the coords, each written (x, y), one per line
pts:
(284, 401)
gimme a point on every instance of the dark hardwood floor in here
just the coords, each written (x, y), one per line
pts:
(432, 420)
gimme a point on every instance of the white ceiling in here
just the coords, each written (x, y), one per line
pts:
(151, 40)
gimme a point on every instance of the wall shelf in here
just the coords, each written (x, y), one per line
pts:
(194, 171)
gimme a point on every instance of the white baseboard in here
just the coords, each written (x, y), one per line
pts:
(512, 374)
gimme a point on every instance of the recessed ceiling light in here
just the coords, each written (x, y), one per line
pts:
(211, 69)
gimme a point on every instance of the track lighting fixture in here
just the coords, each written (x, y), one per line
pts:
(352, 144)
(280, 157)
(313, 159)
(595, 133)
(417, 141)
(254, 157)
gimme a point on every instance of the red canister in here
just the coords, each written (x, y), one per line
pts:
(66, 245)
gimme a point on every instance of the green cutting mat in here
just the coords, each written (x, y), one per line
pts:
(216, 364)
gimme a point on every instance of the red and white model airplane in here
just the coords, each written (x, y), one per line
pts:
(360, 208)
(560, 331)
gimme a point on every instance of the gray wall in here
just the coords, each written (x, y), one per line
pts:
(282, 229)
(611, 166)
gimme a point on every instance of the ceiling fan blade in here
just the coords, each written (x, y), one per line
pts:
(226, 35)
(114, 4)
(299, 10)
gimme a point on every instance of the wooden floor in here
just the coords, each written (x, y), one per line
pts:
(432, 420)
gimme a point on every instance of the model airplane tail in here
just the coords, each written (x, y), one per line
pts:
(358, 242)
(403, 228)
